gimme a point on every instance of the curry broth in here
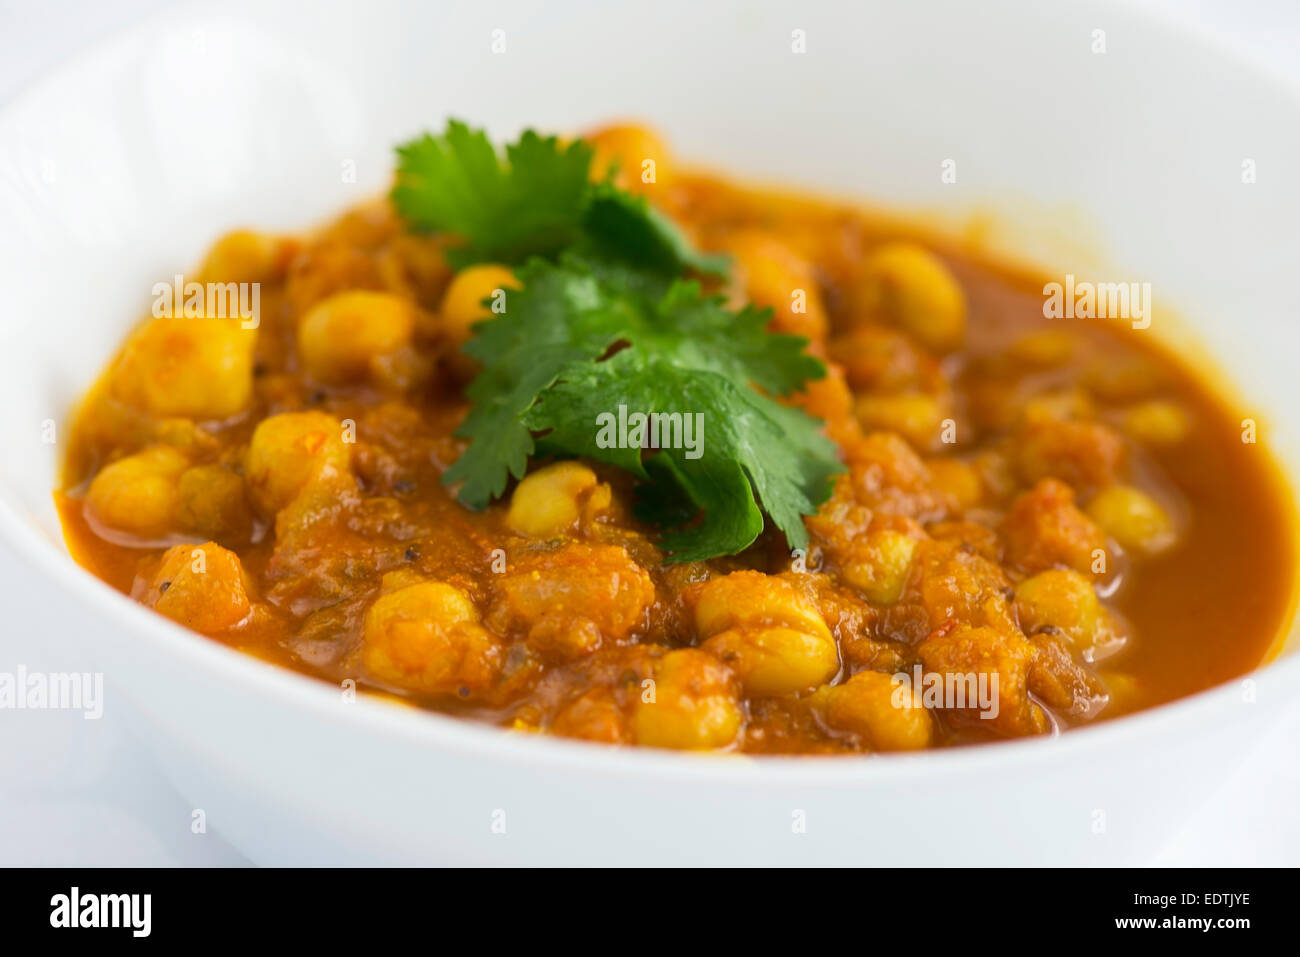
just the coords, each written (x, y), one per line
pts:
(1240, 523)
(1203, 611)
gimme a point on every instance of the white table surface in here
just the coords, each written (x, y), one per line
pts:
(78, 792)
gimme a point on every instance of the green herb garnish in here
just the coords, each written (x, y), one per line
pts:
(538, 202)
(607, 317)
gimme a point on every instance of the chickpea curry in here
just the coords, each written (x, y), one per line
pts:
(917, 513)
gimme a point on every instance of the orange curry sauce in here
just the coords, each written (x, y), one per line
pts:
(338, 551)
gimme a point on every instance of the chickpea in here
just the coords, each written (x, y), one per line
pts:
(888, 714)
(138, 494)
(548, 502)
(881, 563)
(1059, 405)
(200, 586)
(915, 416)
(245, 256)
(638, 157)
(773, 274)
(1124, 378)
(427, 638)
(1133, 518)
(775, 661)
(773, 637)
(913, 288)
(462, 303)
(695, 704)
(1158, 423)
(212, 502)
(747, 596)
(958, 479)
(342, 336)
(198, 368)
(289, 452)
(1065, 600)
(1047, 348)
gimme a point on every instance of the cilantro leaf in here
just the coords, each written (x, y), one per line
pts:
(539, 202)
(619, 225)
(531, 205)
(548, 369)
(721, 490)
(744, 451)
(606, 322)
(552, 321)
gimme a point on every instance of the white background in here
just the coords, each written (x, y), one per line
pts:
(79, 792)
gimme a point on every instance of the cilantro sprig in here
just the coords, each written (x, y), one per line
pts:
(609, 315)
(537, 202)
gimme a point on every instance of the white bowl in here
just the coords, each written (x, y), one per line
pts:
(118, 169)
